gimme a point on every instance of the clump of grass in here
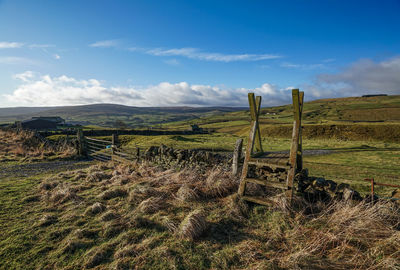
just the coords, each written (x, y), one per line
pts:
(151, 205)
(140, 192)
(220, 183)
(113, 193)
(98, 255)
(121, 179)
(48, 184)
(126, 251)
(97, 176)
(193, 225)
(170, 224)
(75, 244)
(86, 233)
(109, 215)
(47, 220)
(96, 208)
(63, 194)
(113, 228)
(187, 193)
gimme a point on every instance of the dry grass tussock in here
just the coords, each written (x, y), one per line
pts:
(151, 205)
(193, 225)
(25, 145)
(346, 236)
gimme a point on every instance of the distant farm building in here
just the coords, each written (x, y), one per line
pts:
(42, 123)
(377, 95)
(195, 128)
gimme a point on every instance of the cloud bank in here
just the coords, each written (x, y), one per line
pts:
(10, 45)
(363, 77)
(45, 90)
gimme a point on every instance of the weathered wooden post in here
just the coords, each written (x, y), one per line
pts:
(236, 157)
(114, 143)
(137, 153)
(81, 143)
(294, 148)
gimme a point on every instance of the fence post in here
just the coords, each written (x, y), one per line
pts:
(236, 156)
(114, 142)
(137, 153)
(81, 143)
(372, 189)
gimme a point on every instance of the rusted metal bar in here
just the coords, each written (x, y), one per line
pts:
(381, 184)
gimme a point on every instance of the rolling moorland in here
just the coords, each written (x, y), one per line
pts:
(60, 212)
(106, 115)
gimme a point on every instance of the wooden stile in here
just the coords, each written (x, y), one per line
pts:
(291, 163)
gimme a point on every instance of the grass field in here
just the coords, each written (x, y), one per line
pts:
(147, 218)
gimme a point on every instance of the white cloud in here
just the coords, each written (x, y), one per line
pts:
(56, 56)
(63, 90)
(302, 66)
(363, 77)
(25, 76)
(10, 45)
(41, 46)
(15, 60)
(105, 43)
(194, 53)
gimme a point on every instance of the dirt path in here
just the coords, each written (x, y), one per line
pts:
(30, 169)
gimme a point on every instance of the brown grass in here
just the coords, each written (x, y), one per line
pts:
(113, 193)
(187, 193)
(193, 225)
(185, 219)
(346, 234)
(151, 205)
(24, 145)
(96, 208)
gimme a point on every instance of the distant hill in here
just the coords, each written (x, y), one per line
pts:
(108, 114)
(351, 109)
(323, 111)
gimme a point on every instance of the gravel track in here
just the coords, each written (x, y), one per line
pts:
(31, 169)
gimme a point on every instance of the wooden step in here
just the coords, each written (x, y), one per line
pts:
(259, 200)
(268, 163)
(266, 183)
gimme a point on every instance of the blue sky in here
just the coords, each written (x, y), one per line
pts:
(169, 53)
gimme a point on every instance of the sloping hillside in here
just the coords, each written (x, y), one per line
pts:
(108, 114)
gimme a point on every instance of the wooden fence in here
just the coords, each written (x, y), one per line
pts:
(105, 150)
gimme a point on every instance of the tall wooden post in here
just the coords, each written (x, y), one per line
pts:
(300, 150)
(294, 148)
(236, 157)
(254, 139)
(81, 143)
